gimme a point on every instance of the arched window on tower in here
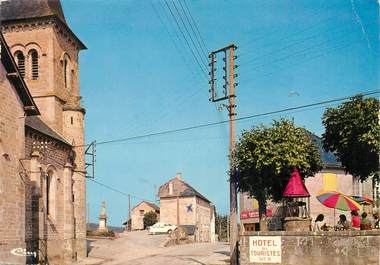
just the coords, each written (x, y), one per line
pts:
(66, 70)
(33, 56)
(20, 60)
(65, 66)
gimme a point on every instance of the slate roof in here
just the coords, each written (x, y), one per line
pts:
(37, 124)
(25, 9)
(180, 189)
(19, 10)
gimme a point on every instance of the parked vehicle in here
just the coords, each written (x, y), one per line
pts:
(161, 228)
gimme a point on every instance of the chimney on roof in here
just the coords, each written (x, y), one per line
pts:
(170, 188)
(179, 175)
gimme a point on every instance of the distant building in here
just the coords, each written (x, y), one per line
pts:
(181, 204)
(138, 212)
(331, 177)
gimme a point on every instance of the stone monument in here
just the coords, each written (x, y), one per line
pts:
(103, 218)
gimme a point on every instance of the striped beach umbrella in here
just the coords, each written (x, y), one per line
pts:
(362, 199)
(337, 200)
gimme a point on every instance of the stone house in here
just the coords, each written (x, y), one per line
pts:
(331, 177)
(41, 139)
(181, 204)
(138, 212)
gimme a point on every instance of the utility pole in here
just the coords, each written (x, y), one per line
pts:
(88, 213)
(129, 227)
(228, 93)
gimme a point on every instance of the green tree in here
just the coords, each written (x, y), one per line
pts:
(266, 156)
(352, 132)
(150, 218)
(221, 227)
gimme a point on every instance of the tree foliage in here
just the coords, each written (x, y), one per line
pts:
(353, 134)
(266, 156)
(150, 218)
(221, 227)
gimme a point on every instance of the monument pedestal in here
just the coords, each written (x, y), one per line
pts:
(297, 224)
(102, 223)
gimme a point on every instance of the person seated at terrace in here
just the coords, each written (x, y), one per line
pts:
(365, 223)
(355, 220)
(318, 222)
(342, 223)
(375, 221)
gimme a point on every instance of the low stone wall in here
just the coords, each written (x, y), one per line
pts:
(311, 248)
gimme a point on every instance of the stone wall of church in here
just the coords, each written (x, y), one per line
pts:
(12, 179)
(51, 233)
(57, 100)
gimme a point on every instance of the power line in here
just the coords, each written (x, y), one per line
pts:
(295, 44)
(188, 33)
(187, 42)
(171, 37)
(295, 54)
(297, 32)
(197, 33)
(368, 93)
(320, 53)
(119, 191)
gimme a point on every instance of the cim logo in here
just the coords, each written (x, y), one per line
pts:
(23, 252)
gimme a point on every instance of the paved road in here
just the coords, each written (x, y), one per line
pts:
(139, 248)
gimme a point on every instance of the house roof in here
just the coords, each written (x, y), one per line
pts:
(155, 207)
(180, 189)
(37, 124)
(15, 78)
(26, 9)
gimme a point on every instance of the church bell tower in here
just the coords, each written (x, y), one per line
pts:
(46, 52)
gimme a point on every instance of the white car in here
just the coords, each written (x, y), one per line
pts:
(161, 228)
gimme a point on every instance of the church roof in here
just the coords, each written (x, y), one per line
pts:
(25, 9)
(19, 10)
(37, 124)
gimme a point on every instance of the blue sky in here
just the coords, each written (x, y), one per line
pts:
(138, 76)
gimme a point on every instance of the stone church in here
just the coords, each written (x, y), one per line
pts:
(42, 165)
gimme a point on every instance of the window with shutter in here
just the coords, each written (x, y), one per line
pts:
(20, 60)
(34, 64)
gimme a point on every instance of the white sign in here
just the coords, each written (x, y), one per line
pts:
(265, 249)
